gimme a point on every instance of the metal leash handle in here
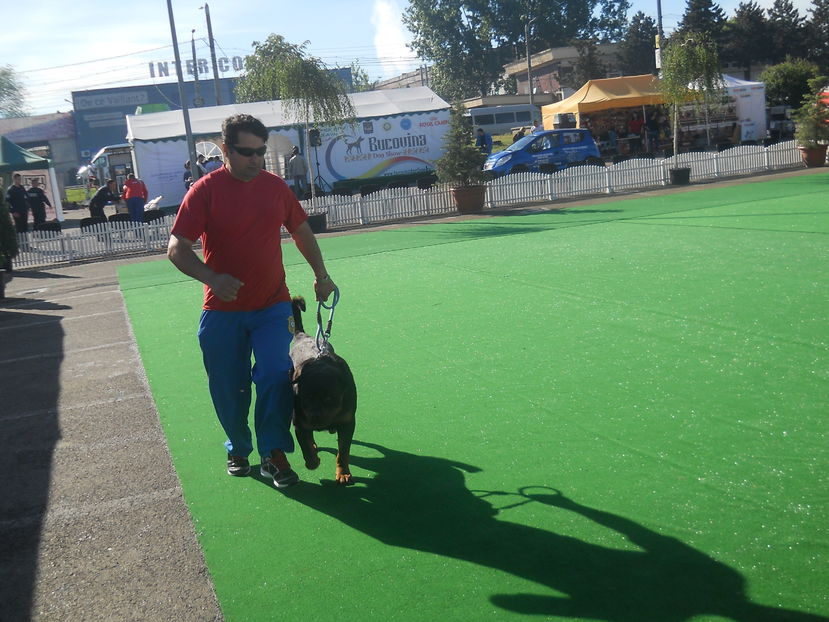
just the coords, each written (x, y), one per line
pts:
(323, 335)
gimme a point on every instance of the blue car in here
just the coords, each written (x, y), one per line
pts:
(546, 151)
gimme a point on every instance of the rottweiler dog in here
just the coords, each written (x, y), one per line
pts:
(325, 396)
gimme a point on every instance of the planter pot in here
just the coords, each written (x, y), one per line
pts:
(813, 156)
(680, 176)
(469, 199)
(317, 223)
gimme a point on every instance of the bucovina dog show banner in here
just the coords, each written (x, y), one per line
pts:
(382, 147)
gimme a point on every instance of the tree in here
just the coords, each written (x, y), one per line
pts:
(284, 71)
(812, 116)
(818, 34)
(469, 41)
(12, 100)
(462, 162)
(611, 24)
(788, 31)
(457, 37)
(360, 80)
(703, 16)
(690, 71)
(588, 65)
(787, 82)
(747, 35)
(636, 50)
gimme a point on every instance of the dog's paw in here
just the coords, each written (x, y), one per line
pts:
(343, 477)
(312, 459)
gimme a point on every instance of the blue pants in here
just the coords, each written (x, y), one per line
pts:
(136, 207)
(227, 339)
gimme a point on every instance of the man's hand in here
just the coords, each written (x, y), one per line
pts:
(225, 286)
(324, 287)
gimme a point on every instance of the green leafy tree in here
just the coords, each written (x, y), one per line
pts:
(787, 82)
(611, 23)
(458, 38)
(636, 50)
(360, 79)
(812, 117)
(691, 71)
(284, 71)
(787, 29)
(818, 34)
(12, 100)
(462, 162)
(703, 16)
(469, 41)
(747, 35)
(588, 65)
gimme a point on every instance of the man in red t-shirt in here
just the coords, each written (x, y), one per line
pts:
(237, 211)
(135, 194)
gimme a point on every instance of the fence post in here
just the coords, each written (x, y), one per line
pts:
(766, 158)
(608, 186)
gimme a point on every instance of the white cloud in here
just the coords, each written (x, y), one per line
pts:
(390, 38)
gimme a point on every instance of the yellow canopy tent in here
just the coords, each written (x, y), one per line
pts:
(604, 94)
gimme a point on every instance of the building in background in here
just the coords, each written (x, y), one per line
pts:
(50, 136)
(100, 114)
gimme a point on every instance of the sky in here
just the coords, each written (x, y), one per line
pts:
(60, 47)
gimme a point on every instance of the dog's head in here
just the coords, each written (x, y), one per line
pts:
(320, 389)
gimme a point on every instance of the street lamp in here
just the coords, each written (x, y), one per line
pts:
(529, 62)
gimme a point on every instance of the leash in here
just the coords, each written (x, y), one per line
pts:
(323, 335)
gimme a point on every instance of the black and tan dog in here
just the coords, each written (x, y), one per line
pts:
(325, 396)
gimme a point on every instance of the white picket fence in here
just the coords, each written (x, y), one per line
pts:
(111, 239)
(105, 240)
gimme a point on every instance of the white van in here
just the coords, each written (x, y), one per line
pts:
(503, 119)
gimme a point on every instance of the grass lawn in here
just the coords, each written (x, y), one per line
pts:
(611, 412)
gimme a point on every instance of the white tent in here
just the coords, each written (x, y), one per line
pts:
(397, 131)
(751, 106)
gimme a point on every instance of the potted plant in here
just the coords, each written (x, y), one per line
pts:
(8, 241)
(812, 119)
(690, 72)
(461, 165)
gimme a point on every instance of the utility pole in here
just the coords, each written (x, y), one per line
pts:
(659, 36)
(191, 145)
(197, 99)
(529, 62)
(212, 53)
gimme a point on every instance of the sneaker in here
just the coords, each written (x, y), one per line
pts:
(278, 467)
(237, 466)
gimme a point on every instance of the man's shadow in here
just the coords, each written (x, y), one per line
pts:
(422, 503)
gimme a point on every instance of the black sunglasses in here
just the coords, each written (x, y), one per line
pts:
(247, 151)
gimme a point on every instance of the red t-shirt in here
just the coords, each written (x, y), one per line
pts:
(134, 188)
(239, 224)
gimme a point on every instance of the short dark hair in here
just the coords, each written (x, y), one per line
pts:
(110, 181)
(242, 123)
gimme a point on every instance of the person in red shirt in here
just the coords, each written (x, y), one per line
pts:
(237, 212)
(135, 194)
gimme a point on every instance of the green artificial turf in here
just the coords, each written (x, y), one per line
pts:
(616, 412)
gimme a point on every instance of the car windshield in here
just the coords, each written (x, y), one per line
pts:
(521, 143)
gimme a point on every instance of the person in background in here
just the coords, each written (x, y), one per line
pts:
(238, 213)
(188, 176)
(38, 202)
(106, 193)
(484, 142)
(518, 135)
(18, 200)
(135, 194)
(297, 171)
(212, 164)
(200, 161)
(536, 126)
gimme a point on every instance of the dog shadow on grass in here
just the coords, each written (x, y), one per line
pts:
(422, 503)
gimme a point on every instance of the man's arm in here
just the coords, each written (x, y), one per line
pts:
(307, 245)
(180, 252)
